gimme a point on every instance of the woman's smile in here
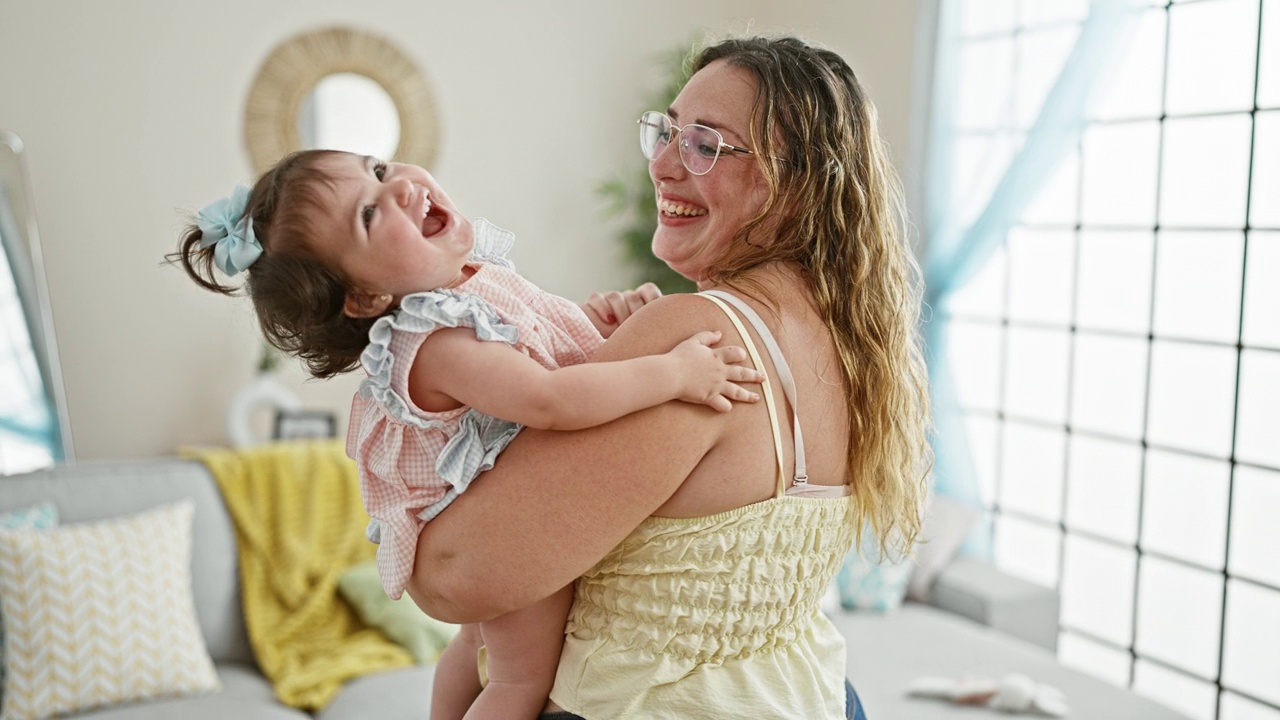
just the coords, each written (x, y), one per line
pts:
(678, 207)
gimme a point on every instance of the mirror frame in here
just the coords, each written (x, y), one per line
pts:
(26, 261)
(294, 68)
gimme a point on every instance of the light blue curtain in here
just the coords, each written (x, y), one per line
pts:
(955, 252)
(26, 408)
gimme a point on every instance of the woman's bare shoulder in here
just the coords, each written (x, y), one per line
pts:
(662, 324)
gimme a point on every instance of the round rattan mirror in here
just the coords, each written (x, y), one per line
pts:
(286, 86)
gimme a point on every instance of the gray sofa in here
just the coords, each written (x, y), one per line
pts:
(979, 621)
(98, 490)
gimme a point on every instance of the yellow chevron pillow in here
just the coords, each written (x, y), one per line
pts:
(100, 613)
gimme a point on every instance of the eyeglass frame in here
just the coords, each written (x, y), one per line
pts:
(680, 149)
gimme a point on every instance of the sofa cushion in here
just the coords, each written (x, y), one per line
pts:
(37, 517)
(400, 620)
(396, 694)
(869, 581)
(872, 582)
(888, 651)
(97, 490)
(866, 585)
(100, 613)
(245, 695)
(947, 524)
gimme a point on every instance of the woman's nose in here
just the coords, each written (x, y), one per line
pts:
(667, 162)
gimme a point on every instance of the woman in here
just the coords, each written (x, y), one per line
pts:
(702, 542)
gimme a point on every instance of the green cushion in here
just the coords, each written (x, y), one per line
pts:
(400, 620)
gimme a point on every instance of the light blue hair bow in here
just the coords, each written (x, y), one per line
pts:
(225, 224)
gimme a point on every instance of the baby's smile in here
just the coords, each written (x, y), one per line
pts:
(434, 219)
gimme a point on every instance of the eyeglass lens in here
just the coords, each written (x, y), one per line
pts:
(699, 144)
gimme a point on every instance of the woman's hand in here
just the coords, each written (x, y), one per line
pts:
(608, 310)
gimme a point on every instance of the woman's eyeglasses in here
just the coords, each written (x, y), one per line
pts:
(700, 145)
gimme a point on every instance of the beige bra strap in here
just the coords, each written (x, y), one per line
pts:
(766, 389)
(780, 366)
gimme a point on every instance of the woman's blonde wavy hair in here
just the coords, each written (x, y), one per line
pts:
(835, 208)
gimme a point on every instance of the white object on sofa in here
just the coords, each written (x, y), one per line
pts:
(1014, 693)
(979, 621)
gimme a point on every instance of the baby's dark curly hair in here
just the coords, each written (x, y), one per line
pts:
(298, 299)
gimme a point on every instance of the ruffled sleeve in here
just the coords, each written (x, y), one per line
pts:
(423, 314)
(492, 244)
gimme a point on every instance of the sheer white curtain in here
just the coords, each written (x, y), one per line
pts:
(999, 130)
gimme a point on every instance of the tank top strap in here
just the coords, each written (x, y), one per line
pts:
(784, 376)
(766, 387)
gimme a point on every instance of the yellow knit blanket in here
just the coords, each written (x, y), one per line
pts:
(299, 525)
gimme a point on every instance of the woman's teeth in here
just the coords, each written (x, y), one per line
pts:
(676, 209)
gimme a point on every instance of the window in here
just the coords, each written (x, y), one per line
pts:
(1117, 362)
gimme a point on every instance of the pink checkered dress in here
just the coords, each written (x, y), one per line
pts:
(413, 463)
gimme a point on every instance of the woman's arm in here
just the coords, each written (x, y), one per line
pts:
(500, 381)
(558, 502)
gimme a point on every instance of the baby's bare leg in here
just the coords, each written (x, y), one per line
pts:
(524, 651)
(457, 682)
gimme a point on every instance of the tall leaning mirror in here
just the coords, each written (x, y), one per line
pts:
(35, 430)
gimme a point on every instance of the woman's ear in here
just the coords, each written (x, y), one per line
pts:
(364, 305)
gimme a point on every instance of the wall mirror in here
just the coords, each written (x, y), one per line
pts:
(343, 89)
(351, 112)
(35, 430)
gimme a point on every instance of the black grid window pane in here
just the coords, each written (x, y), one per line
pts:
(1118, 360)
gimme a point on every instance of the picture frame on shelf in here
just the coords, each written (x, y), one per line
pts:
(305, 425)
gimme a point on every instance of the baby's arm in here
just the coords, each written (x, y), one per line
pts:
(499, 380)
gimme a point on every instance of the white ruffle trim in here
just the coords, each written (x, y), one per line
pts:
(424, 313)
(492, 244)
(474, 447)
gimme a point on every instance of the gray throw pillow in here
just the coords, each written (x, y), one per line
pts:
(947, 524)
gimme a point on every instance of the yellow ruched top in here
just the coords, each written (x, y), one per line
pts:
(714, 617)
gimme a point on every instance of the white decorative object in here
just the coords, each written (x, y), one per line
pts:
(1013, 693)
(264, 390)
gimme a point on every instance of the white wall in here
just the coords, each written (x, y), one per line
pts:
(131, 112)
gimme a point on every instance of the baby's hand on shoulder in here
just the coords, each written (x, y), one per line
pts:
(608, 310)
(710, 373)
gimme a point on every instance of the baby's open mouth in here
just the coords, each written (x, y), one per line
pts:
(434, 221)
